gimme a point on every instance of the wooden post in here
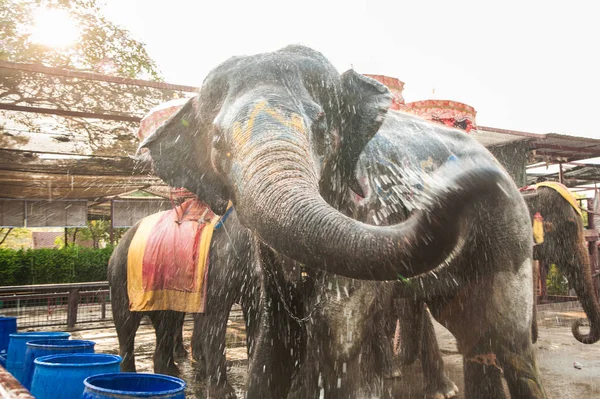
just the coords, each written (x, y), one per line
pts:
(72, 305)
(561, 176)
(112, 215)
(543, 274)
(66, 237)
(593, 246)
(103, 306)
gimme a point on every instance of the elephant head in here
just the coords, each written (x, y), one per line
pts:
(564, 245)
(273, 133)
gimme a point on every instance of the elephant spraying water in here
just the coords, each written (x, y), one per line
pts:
(287, 140)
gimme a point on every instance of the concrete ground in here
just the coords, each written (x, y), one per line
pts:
(557, 350)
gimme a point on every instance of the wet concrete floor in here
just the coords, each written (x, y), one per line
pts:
(556, 348)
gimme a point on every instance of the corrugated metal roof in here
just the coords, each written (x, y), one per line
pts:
(549, 147)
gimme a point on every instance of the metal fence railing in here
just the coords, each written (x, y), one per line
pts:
(56, 304)
(47, 305)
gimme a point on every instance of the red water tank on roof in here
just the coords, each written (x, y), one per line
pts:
(447, 112)
(396, 86)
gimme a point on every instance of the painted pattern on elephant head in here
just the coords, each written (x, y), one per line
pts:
(279, 134)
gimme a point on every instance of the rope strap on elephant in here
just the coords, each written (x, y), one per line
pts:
(168, 259)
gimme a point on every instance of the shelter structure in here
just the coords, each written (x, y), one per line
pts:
(66, 160)
(61, 165)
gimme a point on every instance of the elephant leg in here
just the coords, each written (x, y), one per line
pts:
(180, 352)
(391, 366)
(406, 323)
(534, 324)
(274, 344)
(410, 313)
(437, 383)
(209, 342)
(491, 321)
(165, 329)
(521, 371)
(511, 356)
(482, 381)
(198, 355)
(126, 324)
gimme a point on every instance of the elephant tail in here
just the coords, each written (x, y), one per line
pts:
(590, 338)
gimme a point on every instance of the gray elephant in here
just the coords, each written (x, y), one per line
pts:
(280, 135)
(564, 245)
(230, 265)
(469, 295)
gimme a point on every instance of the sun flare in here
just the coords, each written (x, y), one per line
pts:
(54, 28)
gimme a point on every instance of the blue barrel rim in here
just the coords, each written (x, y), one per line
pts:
(8, 317)
(41, 334)
(73, 343)
(88, 383)
(47, 360)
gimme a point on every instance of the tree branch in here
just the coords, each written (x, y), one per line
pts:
(5, 235)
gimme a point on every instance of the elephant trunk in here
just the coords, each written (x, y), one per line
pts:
(276, 195)
(580, 276)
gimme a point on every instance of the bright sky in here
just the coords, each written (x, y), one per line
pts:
(523, 64)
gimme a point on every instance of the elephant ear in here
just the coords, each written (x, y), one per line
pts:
(365, 103)
(181, 155)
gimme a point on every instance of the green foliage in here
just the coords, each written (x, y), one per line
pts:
(556, 282)
(584, 214)
(16, 237)
(71, 264)
(101, 47)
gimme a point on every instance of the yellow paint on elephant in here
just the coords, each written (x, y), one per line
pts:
(538, 228)
(141, 299)
(562, 190)
(242, 133)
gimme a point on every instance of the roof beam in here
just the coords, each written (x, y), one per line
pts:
(64, 112)
(94, 76)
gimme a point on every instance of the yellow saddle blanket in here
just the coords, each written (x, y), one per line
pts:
(167, 262)
(563, 191)
(538, 220)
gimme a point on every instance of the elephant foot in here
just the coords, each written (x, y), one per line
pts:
(128, 367)
(442, 389)
(170, 369)
(221, 392)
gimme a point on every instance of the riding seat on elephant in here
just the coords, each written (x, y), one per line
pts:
(186, 260)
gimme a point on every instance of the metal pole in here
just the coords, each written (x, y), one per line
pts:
(112, 230)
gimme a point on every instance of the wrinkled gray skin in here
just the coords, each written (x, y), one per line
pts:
(279, 134)
(565, 246)
(484, 295)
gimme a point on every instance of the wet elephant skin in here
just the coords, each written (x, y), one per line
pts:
(287, 139)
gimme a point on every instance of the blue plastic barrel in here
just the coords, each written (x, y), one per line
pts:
(62, 376)
(15, 360)
(8, 325)
(133, 385)
(45, 347)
